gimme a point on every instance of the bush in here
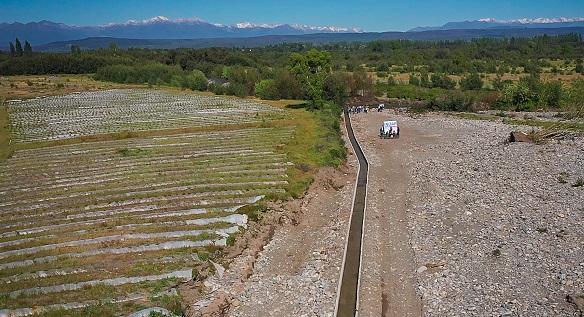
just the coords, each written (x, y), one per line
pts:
(330, 145)
(197, 81)
(234, 89)
(202, 256)
(453, 101)
(216, 89)
(471, 82)
(267, 89)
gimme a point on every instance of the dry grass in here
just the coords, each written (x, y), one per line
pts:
(26, 87)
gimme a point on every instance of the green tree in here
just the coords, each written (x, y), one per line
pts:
(27, 49)
(517, 96)
(288, 87)
(550, 95)
(573, 99)
(498, 83)
(579, 68)
(197, 81)
(424, 80)
(235, 89)
(75, 49)
(335, 89)
(113, 46)
(179, 82)
(12, 49)
(311, 70)
(414, 80)
(267, 89)
(471, 82)
(19, 50)
(442, 81)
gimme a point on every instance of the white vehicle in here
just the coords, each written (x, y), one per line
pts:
(389, 130)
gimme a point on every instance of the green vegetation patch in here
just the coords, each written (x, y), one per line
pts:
(128, 152)
(6, 148)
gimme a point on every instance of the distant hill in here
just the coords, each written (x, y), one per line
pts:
(250, 42)
(518, 23)
(38, 33)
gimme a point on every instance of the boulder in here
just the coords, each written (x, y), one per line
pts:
(578, 301)
(517, 136)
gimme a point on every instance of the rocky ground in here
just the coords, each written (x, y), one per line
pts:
(458, 223)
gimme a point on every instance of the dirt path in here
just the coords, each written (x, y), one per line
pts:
(388, 286)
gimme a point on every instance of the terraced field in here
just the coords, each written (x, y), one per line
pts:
(117, 220)
(111, 111)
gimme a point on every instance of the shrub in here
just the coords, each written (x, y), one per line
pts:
(197, 81)
(253, 211)
(235, 89)
(453, 101)
(330, 146)
(579, 182)
(471, 82)
(203, 256)
(267, 89)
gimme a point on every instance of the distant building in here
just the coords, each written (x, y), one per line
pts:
(217, 81)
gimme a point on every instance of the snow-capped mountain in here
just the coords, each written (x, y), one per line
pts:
(533, 21)
(158, 27)
(490, 23)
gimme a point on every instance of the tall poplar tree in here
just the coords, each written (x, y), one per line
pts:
(12, 49)
(19, 50)
(27, 49)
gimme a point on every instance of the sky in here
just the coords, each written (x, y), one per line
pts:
(368, 15)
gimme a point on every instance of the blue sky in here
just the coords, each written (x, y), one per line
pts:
(369, 15)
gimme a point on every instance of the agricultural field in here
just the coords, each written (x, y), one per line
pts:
(114, 111)
(123, 218)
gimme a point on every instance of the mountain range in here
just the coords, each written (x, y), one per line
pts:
(490, 23)
(160, 32)
(37, 33)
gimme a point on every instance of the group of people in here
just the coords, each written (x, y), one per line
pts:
(392, 132)
(358, 109)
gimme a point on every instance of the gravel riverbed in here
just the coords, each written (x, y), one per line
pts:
(504, 219)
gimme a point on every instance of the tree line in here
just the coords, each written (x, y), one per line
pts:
(334, 71)
(18, 50)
